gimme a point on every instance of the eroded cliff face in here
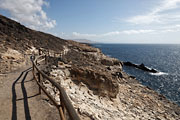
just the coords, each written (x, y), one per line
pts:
(101, 83)
(100, 90)
(134, 101)
(89, 66)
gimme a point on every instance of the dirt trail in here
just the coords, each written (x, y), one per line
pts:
(20, 98)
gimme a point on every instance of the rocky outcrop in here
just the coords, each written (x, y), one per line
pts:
(97, 71)
(141, 66)
(133, 100)
(101, 83)
(110, 62)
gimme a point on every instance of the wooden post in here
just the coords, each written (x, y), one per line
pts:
(62, 108)
(36, 62)
(61, 102)
(33, 70)
(39, 80)
(61, 113)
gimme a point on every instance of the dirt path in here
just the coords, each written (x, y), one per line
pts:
(20, 99)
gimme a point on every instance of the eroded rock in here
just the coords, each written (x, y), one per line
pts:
(102, 83)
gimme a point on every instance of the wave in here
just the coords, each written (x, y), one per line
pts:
(159, 73)
(109, 55)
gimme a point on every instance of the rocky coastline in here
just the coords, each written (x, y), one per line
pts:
(96, 84)
(100, 90)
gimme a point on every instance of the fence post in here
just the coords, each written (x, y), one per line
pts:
(61, 108)
(33, 67)
(39, 80)
(33, 70)
(62, 104)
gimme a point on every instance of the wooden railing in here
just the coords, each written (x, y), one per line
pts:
(65, 108)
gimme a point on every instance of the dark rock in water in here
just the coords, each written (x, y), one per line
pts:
(132, 77)
(141, 66)
(128, 64)
(153, 70)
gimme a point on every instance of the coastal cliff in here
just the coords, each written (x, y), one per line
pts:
(99, 89)
(94, 82)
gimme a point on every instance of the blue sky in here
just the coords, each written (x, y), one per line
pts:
(109, 21)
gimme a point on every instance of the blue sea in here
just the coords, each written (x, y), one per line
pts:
(164, 58)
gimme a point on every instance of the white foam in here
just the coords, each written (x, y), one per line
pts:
(159, 73)
(109, 55)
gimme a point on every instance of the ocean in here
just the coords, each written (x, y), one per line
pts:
(162, 57)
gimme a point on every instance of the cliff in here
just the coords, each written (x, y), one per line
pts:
(99, 89)
(94, 82)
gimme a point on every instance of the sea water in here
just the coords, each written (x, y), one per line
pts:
(164, 58)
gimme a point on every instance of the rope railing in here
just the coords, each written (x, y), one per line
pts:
(65, 103)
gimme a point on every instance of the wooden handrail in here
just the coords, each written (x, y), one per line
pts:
(64, 100)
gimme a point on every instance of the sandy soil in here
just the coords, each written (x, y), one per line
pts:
(20, 98)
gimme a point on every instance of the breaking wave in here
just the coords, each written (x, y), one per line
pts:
(159, 73)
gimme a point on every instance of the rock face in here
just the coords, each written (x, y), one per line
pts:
(92, 68)
(104, 92)
(101, 83)
(133, 100)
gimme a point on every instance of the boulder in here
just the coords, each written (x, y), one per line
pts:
(110, 61)
(107, 62)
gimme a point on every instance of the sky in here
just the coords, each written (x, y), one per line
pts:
(105, 21)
